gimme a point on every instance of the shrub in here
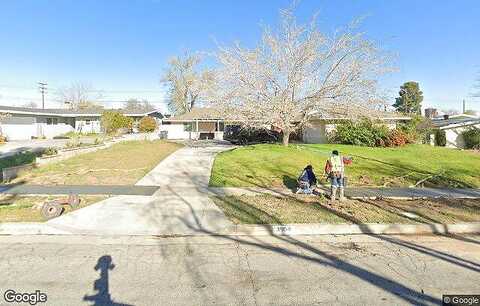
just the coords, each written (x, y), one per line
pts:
(18, 159)
(147, 124)
(50, 151)
(3, 139)
(418, 129)
(396, 138)
(472, 138)
(440, 138)
(362, 133)
(113, 121)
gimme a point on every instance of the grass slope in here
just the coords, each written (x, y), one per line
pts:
(271, 165)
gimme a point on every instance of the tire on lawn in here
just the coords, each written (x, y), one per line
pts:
(51, 210)
(73, 201)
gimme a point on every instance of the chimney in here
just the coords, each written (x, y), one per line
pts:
(431, 113)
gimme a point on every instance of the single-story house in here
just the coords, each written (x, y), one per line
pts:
(26, 123)
(454, 126)
(199, 123)
(207, 123)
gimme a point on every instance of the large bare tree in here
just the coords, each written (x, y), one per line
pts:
(79, 95)
(137, 105)
(187, 82)
(297, 72)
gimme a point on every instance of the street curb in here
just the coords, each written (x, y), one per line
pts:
(349, 229)
(29, 228)
(36, 228)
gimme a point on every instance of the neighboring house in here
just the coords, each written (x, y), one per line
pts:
(206, 123)
(27, 123)
(454, 126)
(199, 123)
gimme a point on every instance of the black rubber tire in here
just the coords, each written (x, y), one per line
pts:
(51, 210)
(73, 201)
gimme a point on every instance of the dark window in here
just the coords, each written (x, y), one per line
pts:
(52, 121)
(221, 126)
(87, 121)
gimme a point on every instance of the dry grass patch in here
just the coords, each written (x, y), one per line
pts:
(121, 164)
(268, 209)
(21, 209)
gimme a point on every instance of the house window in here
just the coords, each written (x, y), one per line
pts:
(52, 121)
(88, 122)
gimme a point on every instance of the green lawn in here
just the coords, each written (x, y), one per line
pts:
(271, 165)
(121, 164)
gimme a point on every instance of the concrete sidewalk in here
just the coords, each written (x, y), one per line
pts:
(78, 189)
(170, 211)
(360, 192)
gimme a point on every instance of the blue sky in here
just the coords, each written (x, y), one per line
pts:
(122, 46)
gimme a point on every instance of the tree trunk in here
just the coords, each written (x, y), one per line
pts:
(285, 138)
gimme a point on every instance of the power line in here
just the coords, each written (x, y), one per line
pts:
(43, 89)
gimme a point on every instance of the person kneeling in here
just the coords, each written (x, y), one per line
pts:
(307, 181)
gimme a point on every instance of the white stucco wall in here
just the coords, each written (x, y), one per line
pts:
(175, 131)
(19, 132)
(50, 131)
(82, 125)
(454, 137)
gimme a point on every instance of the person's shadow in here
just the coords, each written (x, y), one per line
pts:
(101, 285)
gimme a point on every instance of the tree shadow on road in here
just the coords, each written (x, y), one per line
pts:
(101, 285)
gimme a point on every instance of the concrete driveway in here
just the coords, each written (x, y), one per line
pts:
(180, 206)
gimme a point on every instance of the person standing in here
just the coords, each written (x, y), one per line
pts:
(335, 170)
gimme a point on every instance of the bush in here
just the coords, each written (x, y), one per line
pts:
(113, 121)
(396, 138)
(50, 151)
(18, 159)
(147, 124)
(418, 129)
(472, 138)
(440, 138)
(362, 133)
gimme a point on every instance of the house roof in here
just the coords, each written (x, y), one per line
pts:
(68, 112)
(206, 113)
(199, 113)
(454, 122)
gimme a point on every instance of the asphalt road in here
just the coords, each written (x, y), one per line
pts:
(308, 270)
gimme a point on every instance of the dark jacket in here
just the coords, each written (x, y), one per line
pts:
(308, 176)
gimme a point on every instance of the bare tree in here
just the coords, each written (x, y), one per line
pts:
(137, 105)
(297, 72)
(79, 95)
(187, 83)
(31, 104)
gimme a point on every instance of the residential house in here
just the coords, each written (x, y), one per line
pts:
(207, 123)
(454, 126)
(27, 123)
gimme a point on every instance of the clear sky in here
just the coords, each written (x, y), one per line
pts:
(122, 46)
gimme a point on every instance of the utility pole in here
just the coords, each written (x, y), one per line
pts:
(43, 90)
(464, 107)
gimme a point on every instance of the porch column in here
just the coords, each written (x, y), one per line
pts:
(196, 130)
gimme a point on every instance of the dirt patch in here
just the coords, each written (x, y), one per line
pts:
(268, 209)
